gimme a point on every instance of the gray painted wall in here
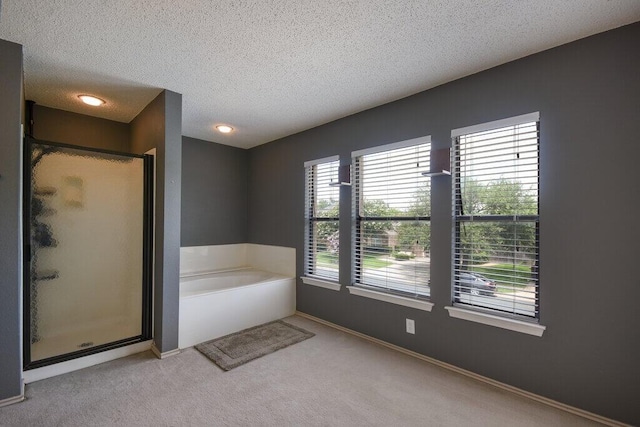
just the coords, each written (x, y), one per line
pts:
(159, 126)
(11, 103)
(214, 193)
(588, 96)
(65, 127)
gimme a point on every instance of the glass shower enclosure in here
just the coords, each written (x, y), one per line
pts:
(88, 228)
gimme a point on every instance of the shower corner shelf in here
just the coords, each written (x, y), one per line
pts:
(45, 191)
(46, 275)
(47, 245)
(47, 212)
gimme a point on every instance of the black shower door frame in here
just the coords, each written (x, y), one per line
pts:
(147, 256)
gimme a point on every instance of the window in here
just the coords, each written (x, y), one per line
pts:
(495, 205)
(392, 209)
(322, 217)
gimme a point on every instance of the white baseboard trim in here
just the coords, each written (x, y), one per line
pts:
(84, 362)
(506, 387)
(161, 355)
(11, 400)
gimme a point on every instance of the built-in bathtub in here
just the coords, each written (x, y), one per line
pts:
(221, 294)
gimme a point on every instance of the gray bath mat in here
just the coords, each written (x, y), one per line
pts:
(236, 349)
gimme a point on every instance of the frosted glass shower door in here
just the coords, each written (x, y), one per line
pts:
(87, 277)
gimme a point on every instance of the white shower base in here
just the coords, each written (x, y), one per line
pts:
(97, 333)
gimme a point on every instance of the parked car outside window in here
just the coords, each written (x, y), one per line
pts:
(476, 284)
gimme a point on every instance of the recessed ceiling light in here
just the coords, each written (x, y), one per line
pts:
(91, 100)
(224, 128)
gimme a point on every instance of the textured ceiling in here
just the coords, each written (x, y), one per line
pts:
(271, 68)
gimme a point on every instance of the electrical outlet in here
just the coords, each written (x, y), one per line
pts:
(411, 326)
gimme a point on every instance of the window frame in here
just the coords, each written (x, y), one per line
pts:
(475, 312)
(310, 277)
(360, 287)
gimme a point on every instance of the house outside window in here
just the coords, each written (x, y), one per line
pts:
(322, 221)
(496, 217)
(392, 213)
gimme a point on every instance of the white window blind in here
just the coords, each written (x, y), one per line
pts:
(392, 211)
(322, 217)
(496, 220)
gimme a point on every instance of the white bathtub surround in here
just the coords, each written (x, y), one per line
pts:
(218, 304)
(205, 259)
(275, 259)
(227, 288)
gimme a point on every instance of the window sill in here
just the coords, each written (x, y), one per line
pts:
(497, 321)
(321, 283)
(393, 299)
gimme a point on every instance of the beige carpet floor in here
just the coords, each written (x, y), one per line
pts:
(332, 379)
